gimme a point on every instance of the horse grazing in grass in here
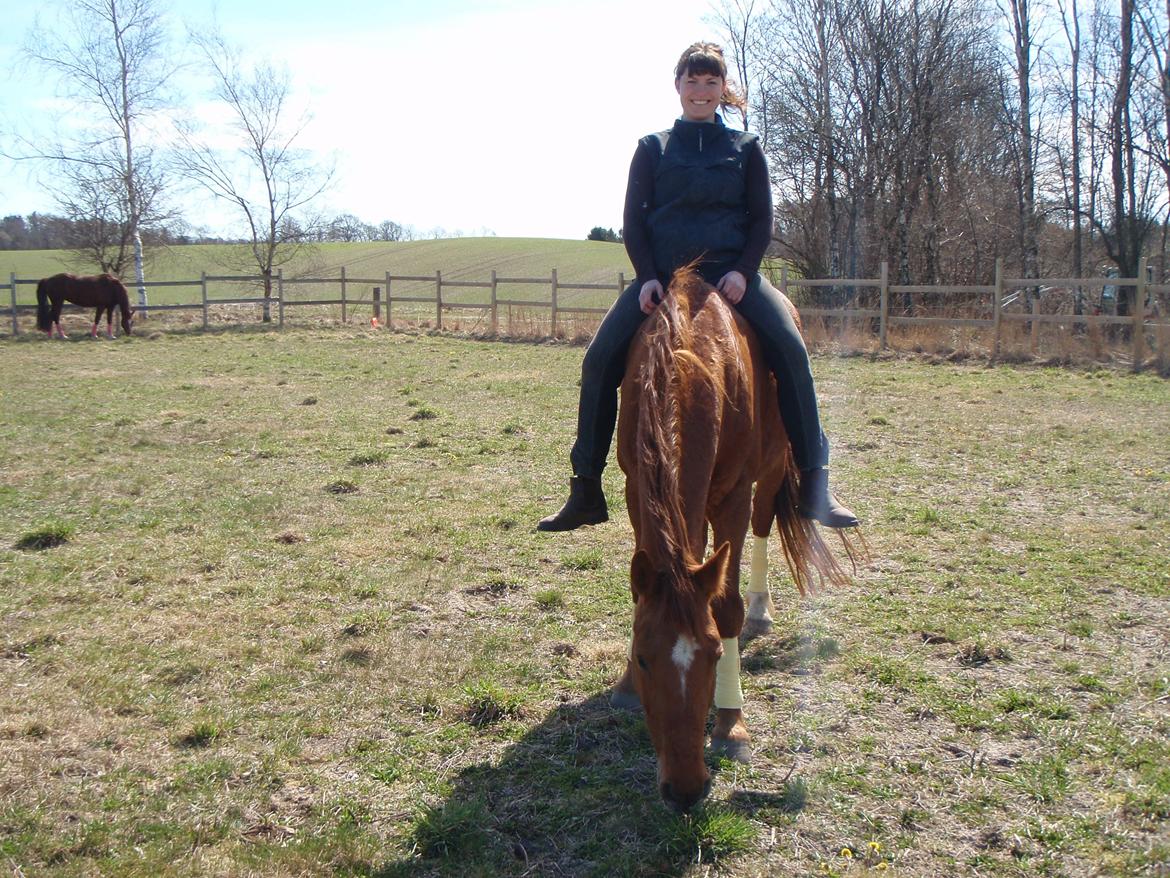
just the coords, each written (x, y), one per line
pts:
(102, 291)
(699, 425)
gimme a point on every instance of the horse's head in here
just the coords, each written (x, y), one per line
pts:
(675, 650)
(127, 320)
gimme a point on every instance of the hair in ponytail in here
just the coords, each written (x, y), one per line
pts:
(703, 59)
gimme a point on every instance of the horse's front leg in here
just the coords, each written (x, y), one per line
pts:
(624, 695)
(730, 737)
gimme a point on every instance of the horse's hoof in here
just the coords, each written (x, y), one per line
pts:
(736, 751)
(753, 628)
(627, 701)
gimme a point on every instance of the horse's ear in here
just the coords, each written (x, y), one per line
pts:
(712, 575)
(642, 576)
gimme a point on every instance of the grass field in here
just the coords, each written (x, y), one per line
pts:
(272, 604)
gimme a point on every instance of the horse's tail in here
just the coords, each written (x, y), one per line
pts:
(44, 308)
(669, 368)
(810, 560)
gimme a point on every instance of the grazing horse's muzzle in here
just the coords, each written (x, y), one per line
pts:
(682, 802)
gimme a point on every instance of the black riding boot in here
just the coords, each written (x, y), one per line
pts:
(586, 505)
(818, 504)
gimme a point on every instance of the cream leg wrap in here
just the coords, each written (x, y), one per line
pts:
(759, 577)
(728, 693)
(759, 605)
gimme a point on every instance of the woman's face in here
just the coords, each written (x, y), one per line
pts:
(699, 94)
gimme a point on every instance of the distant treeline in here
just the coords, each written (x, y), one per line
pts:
(45, 231)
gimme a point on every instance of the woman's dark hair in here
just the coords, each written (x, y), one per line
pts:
(706, 59)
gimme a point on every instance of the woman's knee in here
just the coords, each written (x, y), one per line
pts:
(595, 364)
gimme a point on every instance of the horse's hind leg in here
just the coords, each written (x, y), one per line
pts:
(729, 737)
(97, 316)
(759, 600)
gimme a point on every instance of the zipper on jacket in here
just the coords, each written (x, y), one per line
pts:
(700, 140)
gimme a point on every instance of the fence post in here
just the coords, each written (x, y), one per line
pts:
(438, 300)
(280, 298)
(389, 312)
(15, 322)
(344, 316)
(1139, 315)
(621, 284)
(495, 309)
(554, 302)
(884, 320)
(203, 293)
(1163, 330)
(997, 307)
(377, 305)
(1034, 325)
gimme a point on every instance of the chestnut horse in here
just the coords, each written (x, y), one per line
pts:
(699, 425)
(102, 291)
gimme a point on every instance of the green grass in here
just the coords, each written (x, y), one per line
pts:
(46, 536)
(286, 639)
(457, 258)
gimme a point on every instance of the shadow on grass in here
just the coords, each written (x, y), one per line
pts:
(576, 796)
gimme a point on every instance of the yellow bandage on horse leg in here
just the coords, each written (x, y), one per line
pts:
(728, 694)
(759, 577)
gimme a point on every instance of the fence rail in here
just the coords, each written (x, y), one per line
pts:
(993, 300)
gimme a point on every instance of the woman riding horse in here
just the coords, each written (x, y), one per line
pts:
(698, 193)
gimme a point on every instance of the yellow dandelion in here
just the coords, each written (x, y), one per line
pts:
(875, 846)
(846, 853)
(882, 866)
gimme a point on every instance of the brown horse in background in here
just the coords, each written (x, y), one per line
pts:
(699, 425)
(102, 291)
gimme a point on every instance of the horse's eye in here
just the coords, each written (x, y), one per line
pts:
(642, 664)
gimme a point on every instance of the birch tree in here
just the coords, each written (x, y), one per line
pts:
(110, 60)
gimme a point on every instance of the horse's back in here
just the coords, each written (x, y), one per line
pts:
(730, 405)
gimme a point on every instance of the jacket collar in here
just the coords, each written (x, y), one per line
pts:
(697, 135)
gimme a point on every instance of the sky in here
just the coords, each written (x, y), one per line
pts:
(517, 117)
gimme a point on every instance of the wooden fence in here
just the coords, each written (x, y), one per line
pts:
(990, 301)
(1143, 303)
(283, 303)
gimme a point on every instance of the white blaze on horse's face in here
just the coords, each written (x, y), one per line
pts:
(683, 656)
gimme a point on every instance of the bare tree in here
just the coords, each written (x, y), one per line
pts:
(1131, 219)
(109, 57)
(1156, 34)
(268, 179)
(738, 21)
(1023, 36)
(1071, 23)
